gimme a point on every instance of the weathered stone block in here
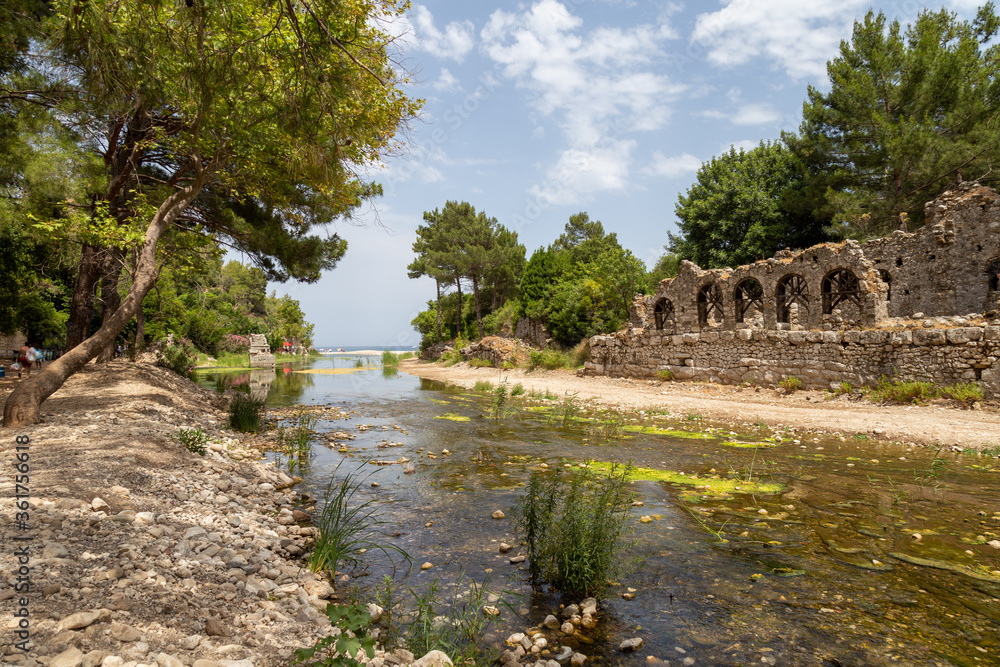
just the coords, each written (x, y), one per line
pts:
(710, 337)
(691, 338)
(797, 337)
(963, 335)
(929, 337)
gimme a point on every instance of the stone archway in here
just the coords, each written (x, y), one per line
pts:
(792, 289)
(748, 297)
(710, 310)
(663, 315)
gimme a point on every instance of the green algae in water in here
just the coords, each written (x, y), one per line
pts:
(748, 445)
(652, 430)
(451, 416)
(440, 402)
(945, 565)
(711, 486)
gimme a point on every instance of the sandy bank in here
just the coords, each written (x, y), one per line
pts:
(803, 410)
(184, 558)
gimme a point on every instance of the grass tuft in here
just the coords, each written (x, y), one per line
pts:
(245, 413)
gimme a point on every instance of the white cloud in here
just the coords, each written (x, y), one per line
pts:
(454, 43)
(797, 36)
(598, 85)
(748, 114)
(447, 82)
(742, 145)
(672, 167)
(579, 173)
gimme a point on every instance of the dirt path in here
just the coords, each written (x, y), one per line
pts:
(803, 410)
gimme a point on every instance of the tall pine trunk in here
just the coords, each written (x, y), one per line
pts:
(479, 312)
(458, 321)
(437, 283)
(81, 305)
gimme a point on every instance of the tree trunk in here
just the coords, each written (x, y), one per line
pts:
(140, 332)
(479, 312)
(437, 283)
(81, 305)
(22, 407)
(458, 323)
(114, 259)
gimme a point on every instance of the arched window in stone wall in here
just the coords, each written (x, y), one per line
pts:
(748, 296)
(840, 287)
(791, 289)
(663, 315)
(887, 279)
(710, 305)
(993, 271)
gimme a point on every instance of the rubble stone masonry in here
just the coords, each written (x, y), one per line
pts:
(915, 306)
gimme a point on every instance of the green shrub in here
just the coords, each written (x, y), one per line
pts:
(843, 388)
(575, 531)
(354, 623)
(581, 352)
(389, 359)
(180, 357)
(482, 385)
(517, 390)
(406, 355)
(549, 359)
(965, 393)
(500, 407)
(347, 529)
(790, 384)
(455, 356)
(664, 375)
(896, 391)
(193, 439)
(245, 413)
(481, 363)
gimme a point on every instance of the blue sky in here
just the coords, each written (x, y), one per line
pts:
(538, 110)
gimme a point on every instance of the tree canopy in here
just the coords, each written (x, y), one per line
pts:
(245, 122)
(742, 209)
(909, 113)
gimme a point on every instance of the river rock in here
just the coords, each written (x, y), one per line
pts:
(570, 610)
(994, 543)
(504, 547)
(514, 560)
(629, 645)
(191, 642)
(206, 663)
(164, 660)
(99, 505)
(433, 659)
(125, 633)
(426, 566)
(551, 622)
(112, 661)
(215, 628)
(94, 658)
(71, 657)
(54, 550)
(82, 619)
(566, 628)
(578, 660)
(498, 514)
(564, 654)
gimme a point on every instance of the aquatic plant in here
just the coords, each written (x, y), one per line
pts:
(245, 412)
(517, 390)
(389, 359)
(193, 439)
(500, 407)
(339, 650)
(576, 530)
(458, 629)
(566, 411)
(482, 385)
(348, 528)
(296, 443)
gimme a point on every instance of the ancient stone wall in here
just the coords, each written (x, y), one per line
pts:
(821, 359)
(9, 345)
(916, 306)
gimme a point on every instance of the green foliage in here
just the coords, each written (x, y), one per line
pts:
(517, 390)
(844, 388)
(192, 439)
(476, 362)
(458, 630)
(389, 359)
(908, 113)
(790, 384)
(348, 528)
(483, 385)
(341, 650)
(664, 375)
(549, 360)
(296, 443)
(245, 412)
(966, 393)
(180, 356)
(581, 353)
(897, 391)
(500, 407)
(738, 211)
(575, 531)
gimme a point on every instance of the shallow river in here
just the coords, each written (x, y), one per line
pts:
(758, 546)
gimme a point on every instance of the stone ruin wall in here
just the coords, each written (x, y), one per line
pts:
(899, 306)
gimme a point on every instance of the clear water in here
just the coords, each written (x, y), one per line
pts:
(872, 554)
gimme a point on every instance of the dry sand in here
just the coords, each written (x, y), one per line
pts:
(937, 423)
